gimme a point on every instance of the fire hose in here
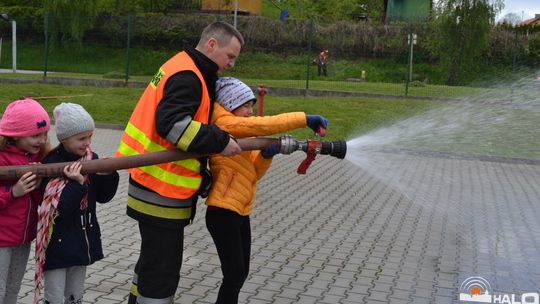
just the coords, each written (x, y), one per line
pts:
(287, 145)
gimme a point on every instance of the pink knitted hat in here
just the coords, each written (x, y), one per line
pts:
(23, 118)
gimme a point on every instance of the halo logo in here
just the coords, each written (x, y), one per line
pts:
(478, 290)
(475, 289)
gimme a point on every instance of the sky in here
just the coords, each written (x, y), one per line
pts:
(525, 8)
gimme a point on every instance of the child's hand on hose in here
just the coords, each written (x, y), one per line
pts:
(269, 151)
(25, 184)
(73, 172)
(317, 123)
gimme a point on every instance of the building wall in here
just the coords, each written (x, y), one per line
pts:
(252, 7)
(408, 10)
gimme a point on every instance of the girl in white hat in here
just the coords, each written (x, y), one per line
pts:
(68, 237)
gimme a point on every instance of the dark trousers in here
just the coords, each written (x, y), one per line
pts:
(321, 67)
(232, 236)
(157, 271)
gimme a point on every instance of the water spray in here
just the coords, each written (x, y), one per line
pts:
(287, 145)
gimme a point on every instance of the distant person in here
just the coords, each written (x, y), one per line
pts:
(174, 113)
(322, 63)
(68, 230)
(23, 140)
(235, 178)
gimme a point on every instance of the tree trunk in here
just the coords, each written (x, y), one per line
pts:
(455, 64)
(383, 12)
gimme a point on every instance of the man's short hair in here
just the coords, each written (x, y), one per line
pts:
(222, 32)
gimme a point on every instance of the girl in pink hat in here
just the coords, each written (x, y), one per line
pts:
(23, 140)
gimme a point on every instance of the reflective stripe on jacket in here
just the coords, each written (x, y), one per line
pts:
(176, 182)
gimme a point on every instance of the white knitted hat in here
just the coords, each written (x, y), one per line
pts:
(71, 119)
(232, 93)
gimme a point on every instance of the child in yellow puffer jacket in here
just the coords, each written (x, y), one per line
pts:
(234, 179)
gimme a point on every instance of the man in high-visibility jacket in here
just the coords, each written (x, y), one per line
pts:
(174, 112)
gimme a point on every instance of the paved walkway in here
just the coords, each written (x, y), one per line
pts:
(3, 71)
(399, 229)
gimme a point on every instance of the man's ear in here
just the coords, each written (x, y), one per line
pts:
(212, 44)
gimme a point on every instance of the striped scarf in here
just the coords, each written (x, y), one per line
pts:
(47, 212)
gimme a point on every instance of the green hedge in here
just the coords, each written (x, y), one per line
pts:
(292, 36)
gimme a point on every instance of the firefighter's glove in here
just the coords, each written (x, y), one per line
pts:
(269, 151)
(316, 122)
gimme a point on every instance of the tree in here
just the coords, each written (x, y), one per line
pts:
(334, 10)
(511, 19)
(155, 6)
(70, 19)
(29, 3)
(375, 9)
(459, 32)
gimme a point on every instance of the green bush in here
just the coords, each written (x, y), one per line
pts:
(29, 21)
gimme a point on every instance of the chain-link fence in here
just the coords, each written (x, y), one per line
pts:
(361, 57)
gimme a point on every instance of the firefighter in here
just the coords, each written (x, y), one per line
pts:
(173, 112)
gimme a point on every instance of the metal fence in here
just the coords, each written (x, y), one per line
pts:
(363, 58)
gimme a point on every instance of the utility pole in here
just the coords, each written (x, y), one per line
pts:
(14, 45)
(6, 17)
(235, 12)
(411, 39)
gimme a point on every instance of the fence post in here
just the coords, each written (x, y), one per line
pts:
(14, 45)
(514, 56)
(128, 45)
(46, 47)
(308, 66)
(514, 59)
(410, 41)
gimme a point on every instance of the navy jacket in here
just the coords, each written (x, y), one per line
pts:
(76, 238)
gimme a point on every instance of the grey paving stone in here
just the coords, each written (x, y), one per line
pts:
(331, 299)
(264, 295)
(401, 294)
(314, 292)
(409, 231)
(377, 296)
(290, 293)
(398, 300)
(283, 300)
(306, 299)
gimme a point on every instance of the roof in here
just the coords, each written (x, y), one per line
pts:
(532, 21)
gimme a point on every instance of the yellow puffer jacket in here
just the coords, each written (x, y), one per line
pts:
(235, 178)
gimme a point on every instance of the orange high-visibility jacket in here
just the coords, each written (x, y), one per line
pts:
(179, 179)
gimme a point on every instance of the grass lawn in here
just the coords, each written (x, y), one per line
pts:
(384, 75)
(106, 105)
(512, 136)
(347, 116)
(394, 89)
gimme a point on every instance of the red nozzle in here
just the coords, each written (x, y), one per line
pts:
(313, 146)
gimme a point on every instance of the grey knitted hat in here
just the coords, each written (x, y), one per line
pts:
(71, 119)
(232, 93)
